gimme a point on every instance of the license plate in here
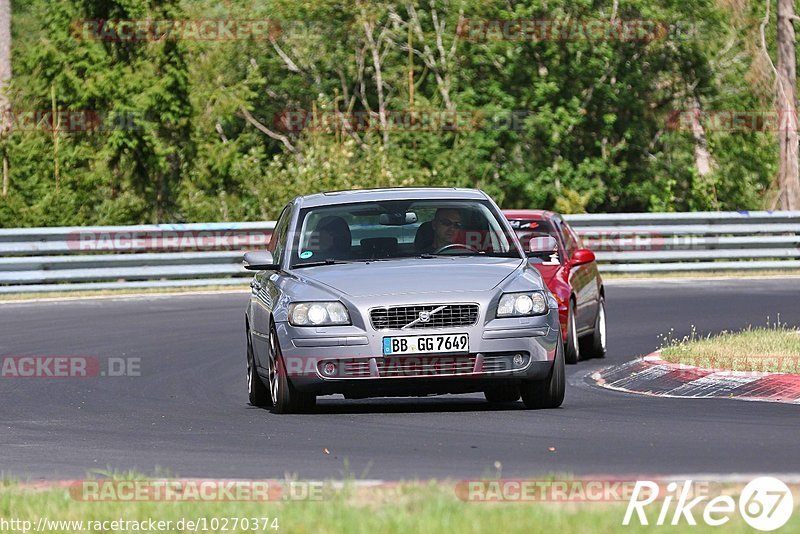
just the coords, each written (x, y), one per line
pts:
(449, 343)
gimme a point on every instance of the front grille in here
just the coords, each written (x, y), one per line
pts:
(357, 369)
(400, 316)
(496, 363)
(425, 366)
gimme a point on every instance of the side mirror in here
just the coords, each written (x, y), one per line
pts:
(582, 256)
(542, 245)
(260, 261)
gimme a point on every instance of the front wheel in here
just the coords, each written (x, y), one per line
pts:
(285, 398)
(257, 392)
(547, 393)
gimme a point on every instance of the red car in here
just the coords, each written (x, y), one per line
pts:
(570, 271)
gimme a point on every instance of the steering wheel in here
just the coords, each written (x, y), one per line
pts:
(456, 246)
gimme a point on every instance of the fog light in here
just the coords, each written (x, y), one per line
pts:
(329, 368)
(518, 360)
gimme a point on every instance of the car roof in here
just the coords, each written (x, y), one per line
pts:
(535, 215)
(397, 193)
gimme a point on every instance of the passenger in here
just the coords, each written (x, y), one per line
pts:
(331, 238)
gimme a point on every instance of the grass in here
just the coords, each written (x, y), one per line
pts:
(404, 507)
(773, 348)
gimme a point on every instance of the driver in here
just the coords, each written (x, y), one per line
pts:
(446, 226)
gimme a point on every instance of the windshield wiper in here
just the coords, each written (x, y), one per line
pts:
(329, 261)
(482, 254)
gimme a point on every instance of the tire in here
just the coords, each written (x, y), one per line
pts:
(502, 394)
(285, 398)
(572, 352)
(547, 393)
(596, 343)
(257, 392)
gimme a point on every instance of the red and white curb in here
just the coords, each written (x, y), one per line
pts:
(651, 375)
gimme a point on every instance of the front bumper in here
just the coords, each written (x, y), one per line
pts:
(499, 349)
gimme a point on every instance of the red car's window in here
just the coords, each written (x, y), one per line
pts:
(571, 239)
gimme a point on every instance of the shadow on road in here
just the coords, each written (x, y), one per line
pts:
(339, 406)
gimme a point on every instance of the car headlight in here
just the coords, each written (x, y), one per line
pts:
(318, 314)
(522, 304)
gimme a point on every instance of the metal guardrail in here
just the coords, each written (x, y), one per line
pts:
(700, 241)
(109, 257)
(105, 257)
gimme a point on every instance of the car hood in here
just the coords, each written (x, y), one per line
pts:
(412, 276)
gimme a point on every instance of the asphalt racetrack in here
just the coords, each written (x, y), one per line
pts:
(186, 414)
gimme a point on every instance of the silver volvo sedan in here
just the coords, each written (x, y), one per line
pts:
(399, 292)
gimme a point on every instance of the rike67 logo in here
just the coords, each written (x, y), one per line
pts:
(765, 504)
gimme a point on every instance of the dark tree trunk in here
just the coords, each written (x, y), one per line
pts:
(5, 78)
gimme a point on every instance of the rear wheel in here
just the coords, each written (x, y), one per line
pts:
(502, 394)
(257, 392)
(285, 398)
(573, 347)
(596, 343)
(547, 393)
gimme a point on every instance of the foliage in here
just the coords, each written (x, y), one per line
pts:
(569, 124)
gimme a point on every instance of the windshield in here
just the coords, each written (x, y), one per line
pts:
(400, 229)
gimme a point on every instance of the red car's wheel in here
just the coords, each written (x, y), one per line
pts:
(572, 350)
(596, 343)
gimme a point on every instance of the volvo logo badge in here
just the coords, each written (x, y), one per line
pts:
(424, 316)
